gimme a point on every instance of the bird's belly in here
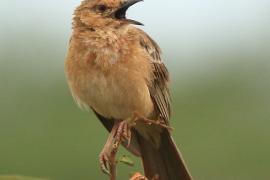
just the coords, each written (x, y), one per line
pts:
(117, 93)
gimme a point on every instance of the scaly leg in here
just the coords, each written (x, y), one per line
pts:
(108, 153)
(120, 132)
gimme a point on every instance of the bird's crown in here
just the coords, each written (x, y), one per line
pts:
(104, 13)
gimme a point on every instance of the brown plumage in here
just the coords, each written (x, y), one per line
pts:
(115, 69)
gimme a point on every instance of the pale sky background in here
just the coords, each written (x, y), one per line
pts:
(190, 32)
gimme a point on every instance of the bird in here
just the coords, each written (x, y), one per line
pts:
(115, 69)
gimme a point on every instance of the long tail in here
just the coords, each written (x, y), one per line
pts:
(165, 162)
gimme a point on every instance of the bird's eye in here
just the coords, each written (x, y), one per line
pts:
(101, 8)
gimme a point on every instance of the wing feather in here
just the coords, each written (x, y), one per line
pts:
(158, 88)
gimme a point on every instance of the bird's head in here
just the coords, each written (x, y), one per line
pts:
(105, 13)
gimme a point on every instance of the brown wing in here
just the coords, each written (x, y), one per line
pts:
(159, 89)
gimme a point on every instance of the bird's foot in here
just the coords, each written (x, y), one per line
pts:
(137, 117)
(123, 132)
(120, 132)
(107, 156)
(104, 161)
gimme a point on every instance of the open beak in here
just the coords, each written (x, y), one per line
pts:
(120, 13)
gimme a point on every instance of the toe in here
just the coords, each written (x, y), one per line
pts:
(104, 164)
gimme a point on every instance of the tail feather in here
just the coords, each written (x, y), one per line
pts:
(165, 162)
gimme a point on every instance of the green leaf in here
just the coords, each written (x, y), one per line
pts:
(126, 160)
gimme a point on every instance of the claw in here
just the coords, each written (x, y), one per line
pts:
(105, 170)
(127, 133)
(104, 164)
(125, 130)
(129, 138)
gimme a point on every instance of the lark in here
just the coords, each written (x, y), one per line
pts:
(115, 69)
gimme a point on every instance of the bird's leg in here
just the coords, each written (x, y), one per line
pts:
(107, 155)
(137, 117)
(120, 132)
(123, 132)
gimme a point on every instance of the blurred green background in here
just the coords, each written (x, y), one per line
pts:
(218, 55)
